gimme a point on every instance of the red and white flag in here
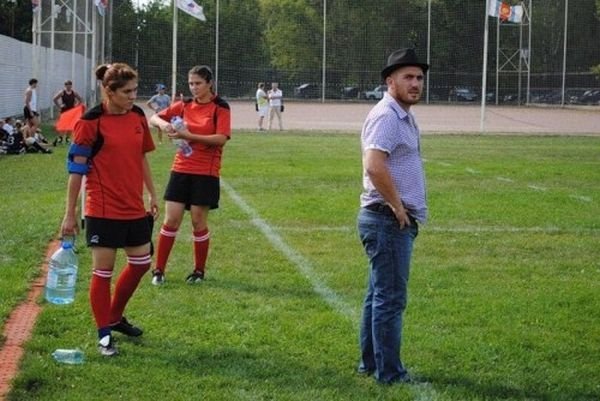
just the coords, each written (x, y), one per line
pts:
(505, 12)
(190, 7)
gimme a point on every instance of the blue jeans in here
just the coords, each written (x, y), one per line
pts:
(389, 249)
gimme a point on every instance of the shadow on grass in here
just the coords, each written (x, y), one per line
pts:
(281, 372)
(499, 391)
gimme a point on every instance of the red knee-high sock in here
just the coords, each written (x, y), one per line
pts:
(127, 283)
(100, 297)
(201, 242)
(166, 239)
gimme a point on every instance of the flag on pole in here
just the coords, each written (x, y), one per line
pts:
(190, 7)
(505, 12)
(516, 14)
(35, 5)
(101, 4)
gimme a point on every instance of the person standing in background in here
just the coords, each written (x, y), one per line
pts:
(66, 99)
(30, 110)
(109, 147)
(276, 104)
(157, 103)
(262, 105)
(393, 204)
(194, 183)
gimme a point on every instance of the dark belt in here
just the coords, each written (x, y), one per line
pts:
(382, 208)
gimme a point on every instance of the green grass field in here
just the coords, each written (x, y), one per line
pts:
(504, 293)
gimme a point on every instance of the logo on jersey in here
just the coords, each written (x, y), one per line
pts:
(95, 239)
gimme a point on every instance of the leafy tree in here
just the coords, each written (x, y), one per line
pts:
(15, 19)
(242, 47)
(293, 35)
(124, 35)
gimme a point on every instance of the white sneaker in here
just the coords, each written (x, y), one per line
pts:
(106, 346)
(158, 278)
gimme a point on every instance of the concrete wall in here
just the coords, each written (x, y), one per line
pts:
(55, 67)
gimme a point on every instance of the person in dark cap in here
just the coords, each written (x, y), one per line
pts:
(393, 204)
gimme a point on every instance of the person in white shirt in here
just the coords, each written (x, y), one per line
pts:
(30, 111)
(276, 104)
(8, 125)
(262, 105)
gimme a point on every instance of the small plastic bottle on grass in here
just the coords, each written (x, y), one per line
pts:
(69, 356)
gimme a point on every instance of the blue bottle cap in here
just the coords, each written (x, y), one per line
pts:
(67, 242)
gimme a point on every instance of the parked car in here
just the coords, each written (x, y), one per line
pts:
(350, 92)
(462, 95)
(376, 94)
(591, 96)
(307, 91)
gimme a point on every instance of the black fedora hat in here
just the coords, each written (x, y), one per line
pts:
(402, 58)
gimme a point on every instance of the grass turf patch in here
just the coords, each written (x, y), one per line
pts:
(503, 296)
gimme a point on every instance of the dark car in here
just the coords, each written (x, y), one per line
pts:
(307, 91)
(350, 92)
(590, 97)
(462, 95)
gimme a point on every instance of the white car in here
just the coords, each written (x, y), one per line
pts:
(377, 93)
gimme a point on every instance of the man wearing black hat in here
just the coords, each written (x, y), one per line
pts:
(393, 203)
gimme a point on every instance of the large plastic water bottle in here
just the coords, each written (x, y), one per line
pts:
(69, 356)
(62, 274)
(183, 145)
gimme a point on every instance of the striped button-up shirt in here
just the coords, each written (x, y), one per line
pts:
(389, 128)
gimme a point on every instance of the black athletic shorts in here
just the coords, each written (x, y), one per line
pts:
(110, 233)
(192, 189)
(27, 114)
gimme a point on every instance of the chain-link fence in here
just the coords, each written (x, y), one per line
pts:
(325, 49)
(342, 45)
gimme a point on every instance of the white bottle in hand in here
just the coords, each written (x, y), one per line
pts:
(183, 145)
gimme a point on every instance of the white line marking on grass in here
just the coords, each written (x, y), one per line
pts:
(471, 171)
(445, 164)
(504, 179)
(537, 188)
(303, 265)
(424, 392)
(452, 229)
(541, 230)
(421, 392)
(345, 229)
(581, 198)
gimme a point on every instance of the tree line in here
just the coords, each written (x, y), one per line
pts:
(283, 39)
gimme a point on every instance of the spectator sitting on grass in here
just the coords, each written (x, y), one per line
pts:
(29, 132)
(14, 144)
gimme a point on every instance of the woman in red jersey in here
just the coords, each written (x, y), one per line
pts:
(109, 147)
(194, 182)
